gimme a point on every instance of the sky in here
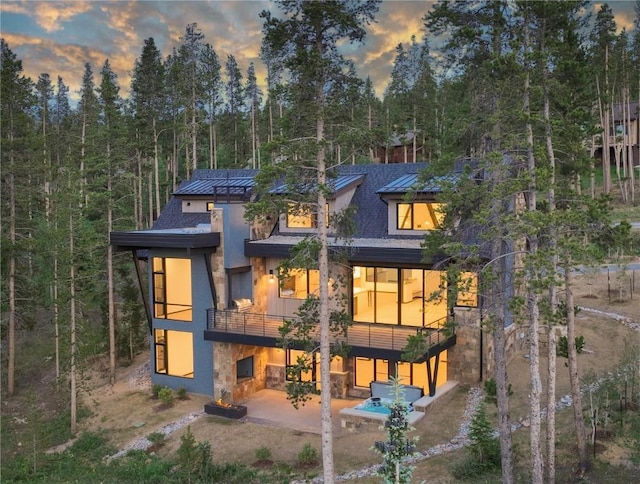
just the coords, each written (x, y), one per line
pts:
(59, 37)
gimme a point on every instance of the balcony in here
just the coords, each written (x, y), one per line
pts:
(364, 339)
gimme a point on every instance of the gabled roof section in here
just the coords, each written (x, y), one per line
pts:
(410, 183)
(338, 185)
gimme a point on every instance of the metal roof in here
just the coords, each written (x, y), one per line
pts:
(212, 186)
(338, 184)
(408, 183)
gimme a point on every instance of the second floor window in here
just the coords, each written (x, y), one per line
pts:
(419, 216)
(299, 283)
(172, 288)
(304, 217)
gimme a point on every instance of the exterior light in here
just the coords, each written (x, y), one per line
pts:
(271, 275)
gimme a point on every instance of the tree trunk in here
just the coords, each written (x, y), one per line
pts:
(574, 378)
(323, 267)
(156, 169)
(72, 322)
(553, 298)
(11, 330)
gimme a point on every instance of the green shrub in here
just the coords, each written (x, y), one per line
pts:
(263, 454)
(194, 457)
(166, 395)
(491, 391)
(155, 437)
(182, 393)
(308, 456)
(155, 390)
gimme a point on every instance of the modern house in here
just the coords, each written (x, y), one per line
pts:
(215, 299)
(401, 148)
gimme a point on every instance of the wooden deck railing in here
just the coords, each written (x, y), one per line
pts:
(367, 335)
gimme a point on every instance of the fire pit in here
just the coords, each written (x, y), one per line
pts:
(226, 410)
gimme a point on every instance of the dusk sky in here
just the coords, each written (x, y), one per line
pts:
(59, 37)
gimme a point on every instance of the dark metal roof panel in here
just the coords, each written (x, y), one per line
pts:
(215, 185)
(337, 185)
(409, 182)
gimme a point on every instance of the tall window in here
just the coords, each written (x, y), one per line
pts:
(311, 375)
(172, 289)
(299, 283)
(419, 216)
(174, 352)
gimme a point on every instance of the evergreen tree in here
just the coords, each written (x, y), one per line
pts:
(16, 102)
(307, 39)
(213, 98)
(254, 99)
(235, 104)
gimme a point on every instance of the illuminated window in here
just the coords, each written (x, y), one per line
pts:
(468, 290)
(370, 369)
(174, 353)
(299, 283)
(303, 217)
(209, 206)
(172, 289)
(419, 216)
(298, 358)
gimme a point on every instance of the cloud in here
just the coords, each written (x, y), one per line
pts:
(50, 16)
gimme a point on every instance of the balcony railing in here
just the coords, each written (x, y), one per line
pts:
(367, 335)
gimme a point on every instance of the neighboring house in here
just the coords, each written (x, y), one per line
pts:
(215, 300)
(624, 134)
(405, 148)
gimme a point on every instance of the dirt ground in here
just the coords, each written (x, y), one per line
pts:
(127, 413)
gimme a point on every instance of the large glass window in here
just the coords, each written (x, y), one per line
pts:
(419, 216)
(369, 369)
(299, 283)
(390, 295)
(312, 360)
(174, 352)
(172, 289)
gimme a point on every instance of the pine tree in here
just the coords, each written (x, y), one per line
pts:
(307, 39)
(235, 103)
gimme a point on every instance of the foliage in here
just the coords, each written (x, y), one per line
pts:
(484, 449)
(181, 393)
(398, 445)
(166, 396)
(155, 437)
(194, 458)
(562, 349)
(491, 391)
(155, 390)
(263, 454)
(308, 456)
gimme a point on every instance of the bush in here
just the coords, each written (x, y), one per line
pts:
(155, 390)
(182, 393)
(263, 454)
(166, 395)
(155, 437)
(194, 457)
(308, 456)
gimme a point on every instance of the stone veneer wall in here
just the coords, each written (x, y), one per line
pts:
(217, 260)
(464, 356)
(225, 356)
(276, 380)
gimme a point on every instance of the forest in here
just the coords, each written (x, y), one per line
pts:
(542, 80)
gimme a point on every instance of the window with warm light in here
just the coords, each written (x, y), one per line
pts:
(174, 352)
(303, 217)
(299, 283)
(468, 290)
(419, 216)
(172, 288)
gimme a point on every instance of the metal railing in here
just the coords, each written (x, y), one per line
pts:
(367, 335)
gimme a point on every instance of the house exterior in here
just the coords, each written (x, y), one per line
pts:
(214, 299)
(405, 148)
(624, 134)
